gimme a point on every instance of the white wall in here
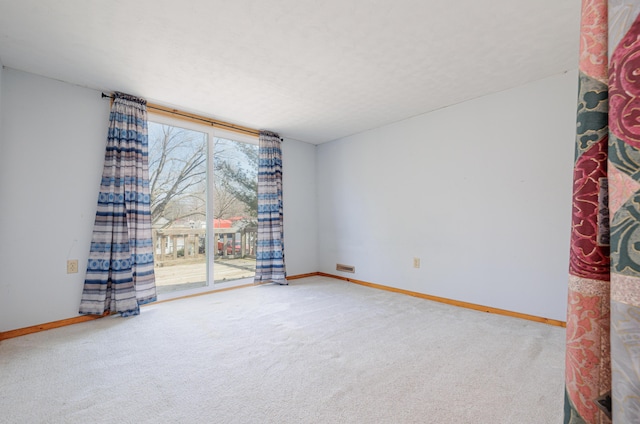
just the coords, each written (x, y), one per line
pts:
(53, 138)
(300, 207)
(480, 192)
(1, 70)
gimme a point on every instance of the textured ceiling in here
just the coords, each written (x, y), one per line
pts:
(311, 70)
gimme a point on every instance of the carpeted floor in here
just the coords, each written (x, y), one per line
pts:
(317, 351)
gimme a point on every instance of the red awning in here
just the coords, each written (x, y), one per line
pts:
(221, 223)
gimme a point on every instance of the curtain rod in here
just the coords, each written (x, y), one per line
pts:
(194, 117)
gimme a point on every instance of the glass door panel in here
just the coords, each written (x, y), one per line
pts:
(178, 186)
(235, 209)
(204, 206)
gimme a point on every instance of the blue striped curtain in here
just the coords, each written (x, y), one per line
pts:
(270, 251)
(120, 273)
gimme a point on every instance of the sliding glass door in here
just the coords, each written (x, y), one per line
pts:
(203, 185)
(235, 209)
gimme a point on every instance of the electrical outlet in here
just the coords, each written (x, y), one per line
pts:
(72, 266)
(416, 262)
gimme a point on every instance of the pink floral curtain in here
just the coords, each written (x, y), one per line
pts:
(603, 316)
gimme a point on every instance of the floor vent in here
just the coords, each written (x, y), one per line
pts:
(345, 268)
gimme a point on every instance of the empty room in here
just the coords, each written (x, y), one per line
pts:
(319, 212)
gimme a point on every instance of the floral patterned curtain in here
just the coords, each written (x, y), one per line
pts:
(603, 316)
(120, 274)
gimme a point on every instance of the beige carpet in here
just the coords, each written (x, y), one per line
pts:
(317, 351)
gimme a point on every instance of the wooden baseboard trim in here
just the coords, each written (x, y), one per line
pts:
(48, 326)
(458, 303)
(298, 276)
(84, 318)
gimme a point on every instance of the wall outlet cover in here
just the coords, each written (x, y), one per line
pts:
(72, 266)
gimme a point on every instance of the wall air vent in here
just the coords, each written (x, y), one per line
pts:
(345, 268)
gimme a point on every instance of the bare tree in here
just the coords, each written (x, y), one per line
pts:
(178, 176)
(177, 173)
(225, 204)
